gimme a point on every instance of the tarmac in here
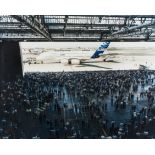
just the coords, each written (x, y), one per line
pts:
(118, 60)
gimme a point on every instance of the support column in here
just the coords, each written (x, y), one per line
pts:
(10, 61)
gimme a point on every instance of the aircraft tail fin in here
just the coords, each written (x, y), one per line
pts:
(100, 50)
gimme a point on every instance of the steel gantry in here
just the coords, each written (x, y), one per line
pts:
(78, 27)
(34, 22)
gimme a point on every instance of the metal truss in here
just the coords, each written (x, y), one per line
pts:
(78, 28)
(34, 23)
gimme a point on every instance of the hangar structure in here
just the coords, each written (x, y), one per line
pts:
(77, 27)
(16, 28)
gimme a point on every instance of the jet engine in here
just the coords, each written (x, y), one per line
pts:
(64, 61)
(75, 61)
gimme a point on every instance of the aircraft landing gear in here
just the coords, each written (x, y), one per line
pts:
(104, 60)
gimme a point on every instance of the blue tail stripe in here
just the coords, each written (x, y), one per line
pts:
(100, 50)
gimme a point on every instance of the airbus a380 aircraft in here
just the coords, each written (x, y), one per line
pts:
(73, 57)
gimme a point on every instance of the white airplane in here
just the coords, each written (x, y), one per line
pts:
(72, 57)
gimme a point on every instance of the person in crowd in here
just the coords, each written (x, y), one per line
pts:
(76, 104)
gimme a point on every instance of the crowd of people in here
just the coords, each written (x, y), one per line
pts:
(95, 104)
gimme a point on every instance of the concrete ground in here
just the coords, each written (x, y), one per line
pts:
(118, 60)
